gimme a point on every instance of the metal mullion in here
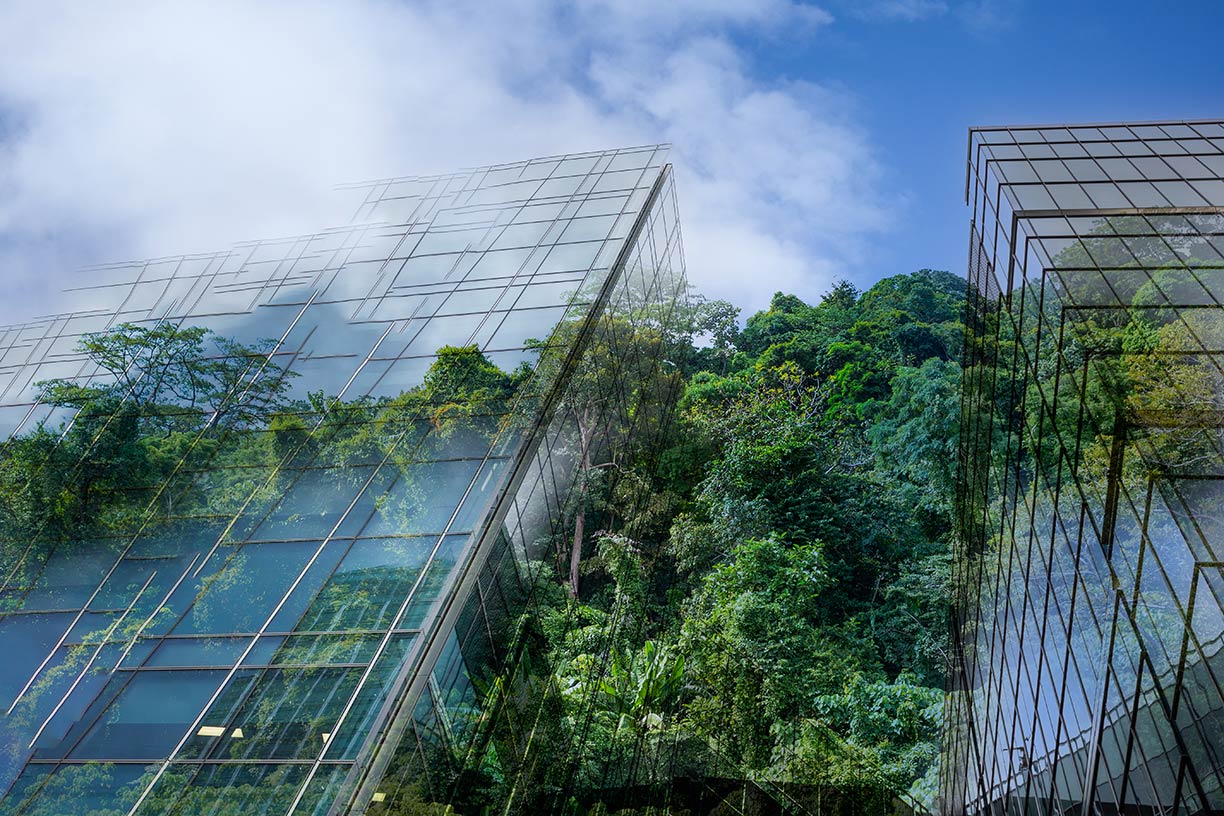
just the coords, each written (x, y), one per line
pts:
(1069, 624)
(1015, 503)
(89, 664)
(1166, 709)
(1125, 493)
(1132, 718)
(131, 542)
(973, 458)
(999, 571)
(1032, 775)
(1145, 544)
(513, 279)
(1032, 540)
(1094, 753)
(1041, 701)
(1166, 754)
(370, 197)
(1130, 735)
(1181, 779)
(1085, 687)
(164, 764)
(224, 667)
(1114, 740)
(993, 206)
(1187, 636)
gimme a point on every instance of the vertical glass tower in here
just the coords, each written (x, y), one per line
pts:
(270, 519)
(1089, 624)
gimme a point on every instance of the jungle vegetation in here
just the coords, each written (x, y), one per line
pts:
(779, 596)
(754, 583)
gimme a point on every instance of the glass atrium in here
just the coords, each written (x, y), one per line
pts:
(275, 513)
(1089, 624)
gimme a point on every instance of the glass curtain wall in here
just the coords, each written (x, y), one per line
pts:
(262, 512)
(488, 730)
(1089, 670)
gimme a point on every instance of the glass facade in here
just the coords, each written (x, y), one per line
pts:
(273, 518)
(1089, 618)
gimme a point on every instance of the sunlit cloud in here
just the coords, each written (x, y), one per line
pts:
(888, 10)
(139, 129)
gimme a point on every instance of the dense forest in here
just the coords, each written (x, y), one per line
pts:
(752, 585)
(780, 597)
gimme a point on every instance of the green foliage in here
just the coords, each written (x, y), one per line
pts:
(754, 644)
(801, 582)
(179, 434)
(896, 721)
(750, 582)
(632, 694)
(173, 377)
(916, 435)
(717, 322)
(141, 431)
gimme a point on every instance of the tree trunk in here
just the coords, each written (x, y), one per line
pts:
(585, 434)
(576, 548)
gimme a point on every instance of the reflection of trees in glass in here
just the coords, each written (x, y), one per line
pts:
(155, 412)
(181, 431)
(616, 391)
(782, 535)
(1111, 371)
(223, 790)
(1138, 350)
(464, 403)
(100, 789)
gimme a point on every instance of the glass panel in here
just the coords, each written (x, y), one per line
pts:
(314, 540)
(150, 715)
(288, 714)
(369, 586)
(78, 790)
(243, 594)
(197, 652)
(186, 790)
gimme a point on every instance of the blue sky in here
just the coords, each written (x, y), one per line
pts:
(919, 84)
(813, 140)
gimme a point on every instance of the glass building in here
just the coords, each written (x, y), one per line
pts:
(1089, 619)
(272, 519)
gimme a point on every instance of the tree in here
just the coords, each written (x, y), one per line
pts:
(619, 389)
(715, 325)
(158, 397)
(171, 375)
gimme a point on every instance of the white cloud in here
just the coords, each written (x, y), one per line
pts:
(903, 10)
(987, 17)
(142, 128)
(667, 17)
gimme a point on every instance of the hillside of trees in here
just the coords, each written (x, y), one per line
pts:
(780, 598)
(752, 585)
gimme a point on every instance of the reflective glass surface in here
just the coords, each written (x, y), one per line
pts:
(1089, 673)
(270, 512)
